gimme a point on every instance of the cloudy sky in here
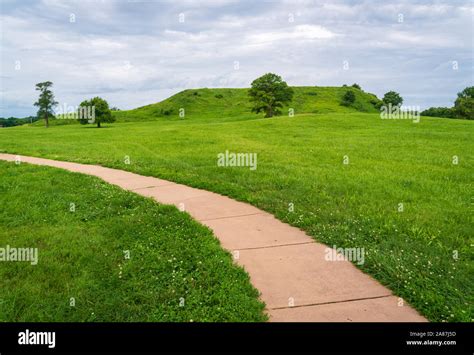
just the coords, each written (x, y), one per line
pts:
(136, 52)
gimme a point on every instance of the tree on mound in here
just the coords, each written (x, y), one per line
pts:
(269, 93)
(464, 104)
(393, 98)
(95, 110)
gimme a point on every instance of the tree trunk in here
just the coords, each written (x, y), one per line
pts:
(98, 124)
(269, 112)
(46, 120)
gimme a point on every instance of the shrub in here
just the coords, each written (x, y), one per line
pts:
(375, 102)
(348, 98)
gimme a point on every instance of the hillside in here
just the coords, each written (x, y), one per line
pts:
(224, 103)
(233, 104)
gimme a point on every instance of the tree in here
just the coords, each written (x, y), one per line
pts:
(357, 86)
(269, 93)
(45, 101)
(95, 110)
(392, 98)
(348, 98)
(464, 104)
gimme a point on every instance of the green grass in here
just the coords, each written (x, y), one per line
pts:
(300, 162)
(81, 255)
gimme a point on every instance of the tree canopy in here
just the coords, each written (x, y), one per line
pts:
(95, 110)
(392, 98)
(269, 93)
(464, 104)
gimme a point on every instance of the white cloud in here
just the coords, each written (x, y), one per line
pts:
(299, 32)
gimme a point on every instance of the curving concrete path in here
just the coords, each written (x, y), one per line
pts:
(285, 265)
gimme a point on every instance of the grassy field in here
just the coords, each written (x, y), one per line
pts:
(176, 270)
(422, 253)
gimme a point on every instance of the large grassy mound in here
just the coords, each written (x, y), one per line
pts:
(229, 103)
(422, 252)
(173, 269)
(206, 105)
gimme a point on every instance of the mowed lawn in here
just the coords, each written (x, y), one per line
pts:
(112, 256)
(422, 251)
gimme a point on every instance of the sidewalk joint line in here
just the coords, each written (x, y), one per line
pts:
(276, 246)
(242, 215)
(183, 199)
(331, 302)
(148, 187)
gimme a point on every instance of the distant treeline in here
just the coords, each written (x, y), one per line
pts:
(15, 121)
(463, 107)
(447, 112)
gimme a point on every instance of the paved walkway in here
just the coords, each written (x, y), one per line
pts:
(285, 265)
